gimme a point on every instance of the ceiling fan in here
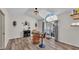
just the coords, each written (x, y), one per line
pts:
(36, 11)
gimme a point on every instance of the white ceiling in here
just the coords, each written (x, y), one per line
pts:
(16, 11)
(29, 11)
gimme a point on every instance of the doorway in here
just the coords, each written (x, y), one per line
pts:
(2, 30)
(51, 30)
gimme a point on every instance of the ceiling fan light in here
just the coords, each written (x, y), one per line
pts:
(35, 8)
(36, 11)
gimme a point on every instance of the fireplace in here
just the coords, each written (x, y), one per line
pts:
(26, 33)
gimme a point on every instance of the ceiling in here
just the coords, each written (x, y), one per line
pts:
(29, 11)
(16, 11)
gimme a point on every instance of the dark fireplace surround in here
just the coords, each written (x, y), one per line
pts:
(26, 33)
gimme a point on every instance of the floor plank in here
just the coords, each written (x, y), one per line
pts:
(26, 44)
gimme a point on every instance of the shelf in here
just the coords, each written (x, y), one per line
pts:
(74, 25)
(75, 16)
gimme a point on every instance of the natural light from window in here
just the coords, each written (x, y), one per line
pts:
(51, 18)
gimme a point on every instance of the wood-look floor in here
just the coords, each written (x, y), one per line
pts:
(26, 44)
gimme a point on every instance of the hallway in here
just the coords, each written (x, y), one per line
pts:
(26, 44)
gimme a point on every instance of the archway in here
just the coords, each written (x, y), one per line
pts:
(51, 26)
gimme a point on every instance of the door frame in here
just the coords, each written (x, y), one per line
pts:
(3, 32)
(56, 30)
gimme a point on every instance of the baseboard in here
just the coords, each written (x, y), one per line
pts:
(67, 44)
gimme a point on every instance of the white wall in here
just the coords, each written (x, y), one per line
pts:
(17, 31)
(68, 34)
(40, 25)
